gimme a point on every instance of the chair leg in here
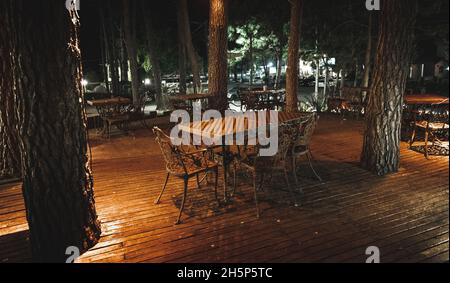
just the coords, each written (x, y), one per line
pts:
(426, 144)
(216, 182)
(198, 181)
(310, 159)
(256, 194)
(183, 201)
(162, 191)
(413, 137)
(294, 170)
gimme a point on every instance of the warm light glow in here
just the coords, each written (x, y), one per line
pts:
(84, 82)
(147, 82)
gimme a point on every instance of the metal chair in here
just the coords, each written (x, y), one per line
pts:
(434, 122)
(263, 165)
(301, 146)
(184, 165)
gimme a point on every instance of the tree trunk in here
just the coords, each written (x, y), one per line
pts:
(107, 20)
(57, 180)
(279, 66)
(154, 59)
(293, 57)
(9, 149)
(381, 150)
(192, 54)
(123, 57)
(316, 89)
(130, 41)
(181, 52)
(218, 52)
(367, 61)
(252, 65)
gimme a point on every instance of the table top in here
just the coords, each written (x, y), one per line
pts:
(262, 92)
(188, 97)
(412, 99)
(109, 101)
(233, 125)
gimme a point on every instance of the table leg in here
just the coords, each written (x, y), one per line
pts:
(225, 171)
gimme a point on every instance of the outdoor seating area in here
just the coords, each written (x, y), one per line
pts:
(399, 213)
(224, 136)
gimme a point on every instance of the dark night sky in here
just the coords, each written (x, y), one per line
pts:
(164, 14)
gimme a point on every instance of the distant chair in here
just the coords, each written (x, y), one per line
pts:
(301, 146)
(184, 165)
(434, 121)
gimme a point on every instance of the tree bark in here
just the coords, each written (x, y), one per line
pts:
(107, 22)
(218, 52)
(381, 150)
(57, 180)
(129, 9)
(9, 150)
(190, 50)
(279, 66)
(154, 58)
(293, 57)
(181, 52)
(368, 57)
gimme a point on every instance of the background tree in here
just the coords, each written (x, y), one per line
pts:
(57, 181)
(218, 51)
(152, 43)
(129, 16)
(188, 44)
(381, 150)
(293, 57)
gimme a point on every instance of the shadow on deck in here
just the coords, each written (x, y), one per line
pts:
(404, 214)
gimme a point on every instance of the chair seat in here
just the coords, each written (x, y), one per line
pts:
(300, 149)
(433, 126)
(193, 166)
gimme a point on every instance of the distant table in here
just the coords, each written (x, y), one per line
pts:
(424, 99)
(190, 98)
(110, 108)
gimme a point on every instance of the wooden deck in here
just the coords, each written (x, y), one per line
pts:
(406, 215)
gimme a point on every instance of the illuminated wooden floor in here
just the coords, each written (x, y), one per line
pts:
(406, 215)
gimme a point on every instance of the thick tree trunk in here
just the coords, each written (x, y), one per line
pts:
(181, 52)
(293, 57)
(57, 181)
(154, 59)
(192, 54)
(381, 150)
(9, 149)
(130, 40)
(218, 52)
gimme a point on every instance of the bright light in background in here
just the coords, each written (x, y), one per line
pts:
(270, 65)
(147, 82)
(84, 82)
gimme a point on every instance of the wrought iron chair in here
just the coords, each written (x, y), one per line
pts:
(301, 146)
(262, 165)
(434, 121)
(184, 165)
